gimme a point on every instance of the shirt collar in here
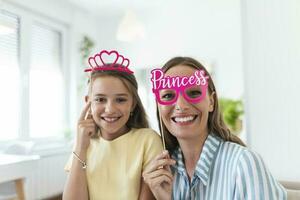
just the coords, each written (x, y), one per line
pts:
(205, 162)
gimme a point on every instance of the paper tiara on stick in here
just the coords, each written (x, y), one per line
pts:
(108, 60)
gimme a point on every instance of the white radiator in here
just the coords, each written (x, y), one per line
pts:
(49, 177)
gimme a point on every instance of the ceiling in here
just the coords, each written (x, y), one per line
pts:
(111, 7)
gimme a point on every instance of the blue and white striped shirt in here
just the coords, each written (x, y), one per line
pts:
(225, 171)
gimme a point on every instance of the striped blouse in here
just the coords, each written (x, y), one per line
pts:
(225, 171)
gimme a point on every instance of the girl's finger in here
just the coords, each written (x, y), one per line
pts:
(84, 111)
(89, 114)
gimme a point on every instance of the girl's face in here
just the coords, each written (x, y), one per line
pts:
(111, 106)
(186, 120)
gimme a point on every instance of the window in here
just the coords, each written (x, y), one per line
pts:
(32, 78)
(148, 99)
(9, 75)
(46, 83)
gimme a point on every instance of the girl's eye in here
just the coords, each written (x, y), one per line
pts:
(121, 100)
(100, 99)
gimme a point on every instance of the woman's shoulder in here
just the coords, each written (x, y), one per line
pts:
(252, 171)
(241, 152)
(231, 147)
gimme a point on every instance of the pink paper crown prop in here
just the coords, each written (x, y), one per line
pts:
(108, 60)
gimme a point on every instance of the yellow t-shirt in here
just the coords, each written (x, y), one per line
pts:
(114, 168)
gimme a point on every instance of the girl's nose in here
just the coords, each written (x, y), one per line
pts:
(109, 107)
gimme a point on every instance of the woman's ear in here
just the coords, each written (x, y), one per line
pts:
(212, 101)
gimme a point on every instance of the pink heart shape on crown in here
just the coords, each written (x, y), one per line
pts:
(126, 62)
(109, 57)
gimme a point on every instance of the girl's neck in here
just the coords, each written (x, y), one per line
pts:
(113, 136)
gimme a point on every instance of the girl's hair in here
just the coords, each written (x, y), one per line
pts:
(215, 122)
(138, 117)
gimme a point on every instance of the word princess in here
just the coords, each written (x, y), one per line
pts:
(167, 89)
(160, 81)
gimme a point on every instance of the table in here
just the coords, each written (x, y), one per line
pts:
(17, 168)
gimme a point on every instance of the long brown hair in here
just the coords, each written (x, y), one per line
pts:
(138, 117)
(215, 121)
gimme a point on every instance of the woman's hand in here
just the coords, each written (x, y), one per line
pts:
(86, 128)
(158, 176)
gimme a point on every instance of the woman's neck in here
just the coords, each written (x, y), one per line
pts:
(191, 150)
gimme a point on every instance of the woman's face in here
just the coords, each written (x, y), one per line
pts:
(111, 106)
(186, 120)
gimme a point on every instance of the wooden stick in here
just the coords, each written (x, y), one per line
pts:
(162, 130)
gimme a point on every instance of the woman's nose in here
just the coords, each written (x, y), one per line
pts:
(181, 103)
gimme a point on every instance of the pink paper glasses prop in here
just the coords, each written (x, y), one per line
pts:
(167, 90)
(108, 60)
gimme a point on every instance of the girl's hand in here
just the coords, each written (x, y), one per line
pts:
(86, 128)
(158, 176)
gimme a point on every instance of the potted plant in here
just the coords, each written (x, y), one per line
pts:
(85, 49)
(232, 111)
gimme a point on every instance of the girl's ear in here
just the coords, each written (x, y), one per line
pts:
(212, 101)
(133, 106)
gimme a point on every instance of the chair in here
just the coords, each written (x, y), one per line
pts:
(293, 189)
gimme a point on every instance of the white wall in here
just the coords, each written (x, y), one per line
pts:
(209, 31)
(206, 30)
(271, 39)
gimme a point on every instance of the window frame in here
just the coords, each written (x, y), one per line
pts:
(27, 18)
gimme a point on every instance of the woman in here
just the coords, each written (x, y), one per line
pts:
(207, 161)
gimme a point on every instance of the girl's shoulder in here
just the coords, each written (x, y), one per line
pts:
(145, 133)
(144, 130)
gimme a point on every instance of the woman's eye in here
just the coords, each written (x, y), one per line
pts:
(194, 93)
(168, 96)
(121, 100)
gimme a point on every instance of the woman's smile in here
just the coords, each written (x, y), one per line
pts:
(184, 119)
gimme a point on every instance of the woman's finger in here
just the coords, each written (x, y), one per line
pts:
(156, 164)
(163, 154)
(155, 182)
(158, 173)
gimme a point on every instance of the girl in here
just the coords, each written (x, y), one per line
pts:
(114, 143)
(208, 162)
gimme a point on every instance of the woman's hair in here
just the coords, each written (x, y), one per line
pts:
(215, 121)
(138, 117)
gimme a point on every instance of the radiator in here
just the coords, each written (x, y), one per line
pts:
(48, 178)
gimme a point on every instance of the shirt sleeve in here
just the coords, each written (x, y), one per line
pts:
(153, 147)
(254, 181)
